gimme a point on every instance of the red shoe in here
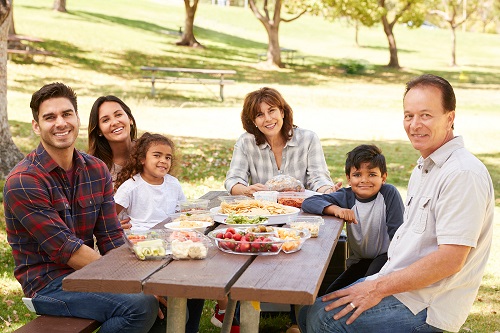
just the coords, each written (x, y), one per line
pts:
(217, 318)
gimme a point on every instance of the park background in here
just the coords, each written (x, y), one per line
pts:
(342, 91)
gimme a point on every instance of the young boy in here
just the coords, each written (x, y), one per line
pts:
(372, 209)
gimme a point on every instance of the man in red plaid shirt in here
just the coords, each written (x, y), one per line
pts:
(56, 200)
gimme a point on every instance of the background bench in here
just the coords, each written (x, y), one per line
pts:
(158, 74)
(53, 324)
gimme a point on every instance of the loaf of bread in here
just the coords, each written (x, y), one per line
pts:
(284, 183)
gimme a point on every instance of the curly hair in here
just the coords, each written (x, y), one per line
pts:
(139, 151)
(98, 146)
(251, 107)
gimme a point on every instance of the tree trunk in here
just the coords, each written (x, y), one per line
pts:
(393, 50)
(60, 6)
(453, 46)
(273, 48)
(188, 38)
(9, 153)
(356, 27)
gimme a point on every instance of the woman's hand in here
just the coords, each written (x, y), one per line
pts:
(126, 223)
(240, 189)
(330, 189)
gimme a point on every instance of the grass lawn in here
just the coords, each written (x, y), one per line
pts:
(100, 47)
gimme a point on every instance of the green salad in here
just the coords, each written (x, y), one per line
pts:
(239, 219)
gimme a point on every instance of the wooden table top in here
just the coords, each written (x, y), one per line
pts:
(293, 278)
(283, 278)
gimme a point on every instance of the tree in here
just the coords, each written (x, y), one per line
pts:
(452, 12)
(389, 12)
(272, 23)
(188, 38)
(60, 6)
(9, 153)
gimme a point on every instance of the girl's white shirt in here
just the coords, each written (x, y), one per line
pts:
(147, 204)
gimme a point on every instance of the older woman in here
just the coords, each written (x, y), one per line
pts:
(273, 145)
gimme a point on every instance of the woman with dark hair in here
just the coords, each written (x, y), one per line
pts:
(111, 132)
(273, 145)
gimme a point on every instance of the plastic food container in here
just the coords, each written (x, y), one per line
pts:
(193, 220)
(266, 195)
(193, 205)
(293, 199)
(311, 223)
(189, 245)
(293, 239)
(239, 241)
(233, 198)
(148, 245)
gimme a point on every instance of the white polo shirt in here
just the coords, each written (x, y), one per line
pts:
(450, 201)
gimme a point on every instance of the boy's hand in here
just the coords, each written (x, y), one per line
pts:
(345, 214)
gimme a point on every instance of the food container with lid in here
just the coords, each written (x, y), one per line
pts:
(194, 204)
(293, 199)
(233, 198)
(311, 223)
(266, 195)
(189, 245)
(148, 245)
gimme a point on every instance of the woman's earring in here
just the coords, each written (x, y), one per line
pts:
(100, 134)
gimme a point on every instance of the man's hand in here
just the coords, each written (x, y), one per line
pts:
(163, 301)
(358, 298)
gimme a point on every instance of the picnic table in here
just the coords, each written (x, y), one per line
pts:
(156, 75)
(284, 278)
(23, 49)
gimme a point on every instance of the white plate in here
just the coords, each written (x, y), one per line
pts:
(176, 226)
(272, 219)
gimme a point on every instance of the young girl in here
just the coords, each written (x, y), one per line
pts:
(144, 188)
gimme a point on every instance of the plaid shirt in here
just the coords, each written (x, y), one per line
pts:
(48, 219)
(302, 158)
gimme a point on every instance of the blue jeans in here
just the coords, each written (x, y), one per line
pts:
(117, 312)
(390, 316)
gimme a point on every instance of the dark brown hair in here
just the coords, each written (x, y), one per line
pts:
(99, 145)
(139, 151)
(251, 107)
(48, 91)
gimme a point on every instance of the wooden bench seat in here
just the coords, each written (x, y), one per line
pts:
(159, 74)
(53, 324)
(29, 53)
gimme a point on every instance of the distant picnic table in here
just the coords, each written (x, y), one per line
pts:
(157, 75)
(23, 49)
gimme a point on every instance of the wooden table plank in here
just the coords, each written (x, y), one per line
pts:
(119, 271)
(281, 278)
(209, 278)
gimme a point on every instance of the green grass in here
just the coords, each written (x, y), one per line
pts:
(100, 47)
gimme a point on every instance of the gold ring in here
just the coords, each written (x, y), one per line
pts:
(353, 306)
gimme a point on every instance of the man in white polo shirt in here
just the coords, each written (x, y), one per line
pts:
(437, 257)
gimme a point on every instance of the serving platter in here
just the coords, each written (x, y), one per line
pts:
(271, 219)
(177, 225)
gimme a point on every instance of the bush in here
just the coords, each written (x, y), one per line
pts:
(353, 66)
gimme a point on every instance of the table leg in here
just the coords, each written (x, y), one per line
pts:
(249, 316)
(228, 317)
(176, 315)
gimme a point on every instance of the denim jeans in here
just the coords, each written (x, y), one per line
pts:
(117, 312)
(390, 316)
